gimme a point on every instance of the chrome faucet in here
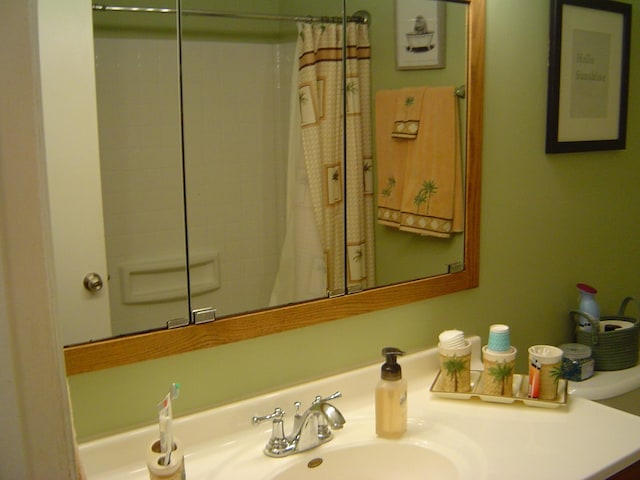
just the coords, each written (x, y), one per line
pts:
(310, 429)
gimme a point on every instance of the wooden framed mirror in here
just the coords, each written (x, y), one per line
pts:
(145, 346)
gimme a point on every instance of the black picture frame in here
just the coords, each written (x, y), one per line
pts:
(588, 80)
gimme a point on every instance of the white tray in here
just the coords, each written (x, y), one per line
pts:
(520, 387)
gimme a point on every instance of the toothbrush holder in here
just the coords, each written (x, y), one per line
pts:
(157, 469)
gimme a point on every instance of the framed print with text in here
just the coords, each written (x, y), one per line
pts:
(588, 75)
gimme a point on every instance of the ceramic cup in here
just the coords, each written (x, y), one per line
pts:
(499, 338)
(497, 377)
(545, 370)
(455, 367)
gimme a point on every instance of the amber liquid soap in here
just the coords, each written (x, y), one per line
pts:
(391, 397)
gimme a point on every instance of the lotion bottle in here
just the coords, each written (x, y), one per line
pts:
(589, 305)
(391, 397)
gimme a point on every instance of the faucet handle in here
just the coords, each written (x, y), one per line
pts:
(333, 396)
(276, 415)
(278, 445)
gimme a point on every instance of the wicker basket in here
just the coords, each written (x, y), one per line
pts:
(614, 350)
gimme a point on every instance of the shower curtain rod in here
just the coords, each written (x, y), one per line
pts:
(359, 17)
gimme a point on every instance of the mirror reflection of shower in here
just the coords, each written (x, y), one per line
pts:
(137, 85)
(236, 98)
(237, 76)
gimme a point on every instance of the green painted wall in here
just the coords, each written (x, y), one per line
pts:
(548, 221)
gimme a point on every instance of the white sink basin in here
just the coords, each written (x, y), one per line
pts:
(379, 461)
(428, 450)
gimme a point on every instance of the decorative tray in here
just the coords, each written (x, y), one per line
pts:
(520, 388)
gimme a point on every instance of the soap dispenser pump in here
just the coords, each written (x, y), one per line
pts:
(391, 397)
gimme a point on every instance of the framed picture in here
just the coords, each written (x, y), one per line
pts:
(588, 76)
(420, 34)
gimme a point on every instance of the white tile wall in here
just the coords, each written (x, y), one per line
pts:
(235, 149)
(235, 100)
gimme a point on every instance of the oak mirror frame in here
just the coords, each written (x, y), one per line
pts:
(156, 344)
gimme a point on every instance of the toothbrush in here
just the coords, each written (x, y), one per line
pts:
(165, 420)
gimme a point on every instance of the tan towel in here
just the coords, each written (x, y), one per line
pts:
(432, 196)
(407, 114)
(391, 158)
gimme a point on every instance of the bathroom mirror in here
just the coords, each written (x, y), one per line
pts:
(240, 237)
(133, 348)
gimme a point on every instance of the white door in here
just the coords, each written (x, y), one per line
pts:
(73, 167)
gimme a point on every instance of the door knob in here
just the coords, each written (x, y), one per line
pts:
(92, 282)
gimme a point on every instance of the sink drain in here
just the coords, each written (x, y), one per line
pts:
(316, 462)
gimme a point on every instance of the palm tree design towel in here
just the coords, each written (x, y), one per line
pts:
(420, 181)
(391, 159)
(407, 115)
(432, 197)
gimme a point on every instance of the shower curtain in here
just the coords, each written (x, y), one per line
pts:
(359, 161)
(319, 256)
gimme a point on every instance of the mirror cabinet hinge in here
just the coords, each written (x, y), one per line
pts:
(203, 315)
(455, 267)
(177, 322)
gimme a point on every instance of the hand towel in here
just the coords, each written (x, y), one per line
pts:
(391, 158)
(407, 113)
(432, 196)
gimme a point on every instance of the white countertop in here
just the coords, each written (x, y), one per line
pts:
(607, 384)
(501, 441)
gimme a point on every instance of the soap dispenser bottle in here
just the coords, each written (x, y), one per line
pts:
(391, 397)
